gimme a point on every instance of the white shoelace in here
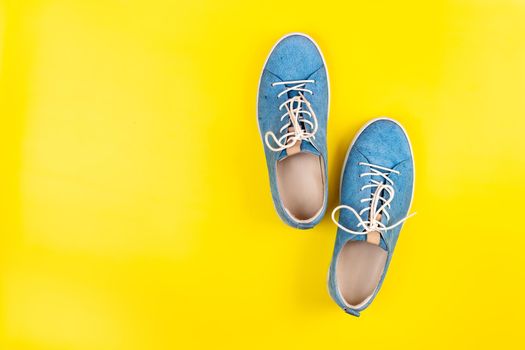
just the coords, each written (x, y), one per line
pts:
(373, 224)
(296, 114)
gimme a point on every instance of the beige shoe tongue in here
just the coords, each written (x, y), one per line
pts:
(295, 148)
(374, 237)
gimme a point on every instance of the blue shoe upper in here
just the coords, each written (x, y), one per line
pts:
(382, 143)
(295, 63)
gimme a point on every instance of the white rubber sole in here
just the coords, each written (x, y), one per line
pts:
(266, 61)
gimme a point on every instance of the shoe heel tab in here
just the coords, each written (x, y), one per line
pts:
(352, 312)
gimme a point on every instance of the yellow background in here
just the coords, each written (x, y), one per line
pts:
(135, 206)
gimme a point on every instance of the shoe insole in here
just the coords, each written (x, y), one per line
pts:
(301, 184)
(358, 271)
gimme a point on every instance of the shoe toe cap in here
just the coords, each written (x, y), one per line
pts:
(384, 142)
(295, 57)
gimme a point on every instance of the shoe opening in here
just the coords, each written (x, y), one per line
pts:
(300, 181)
(359, 268)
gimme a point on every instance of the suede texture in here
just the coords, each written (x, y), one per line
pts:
(295, 57)
(382, 143)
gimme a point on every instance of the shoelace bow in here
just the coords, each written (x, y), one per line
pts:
(296, 114)
(373, 223)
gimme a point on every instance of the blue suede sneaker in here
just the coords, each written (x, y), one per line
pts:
(292, 112)
(377, 187)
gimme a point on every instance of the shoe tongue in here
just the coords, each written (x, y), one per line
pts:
(375, 238)
(306, 146)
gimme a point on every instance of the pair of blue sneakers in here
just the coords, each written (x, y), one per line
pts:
(377, 180)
